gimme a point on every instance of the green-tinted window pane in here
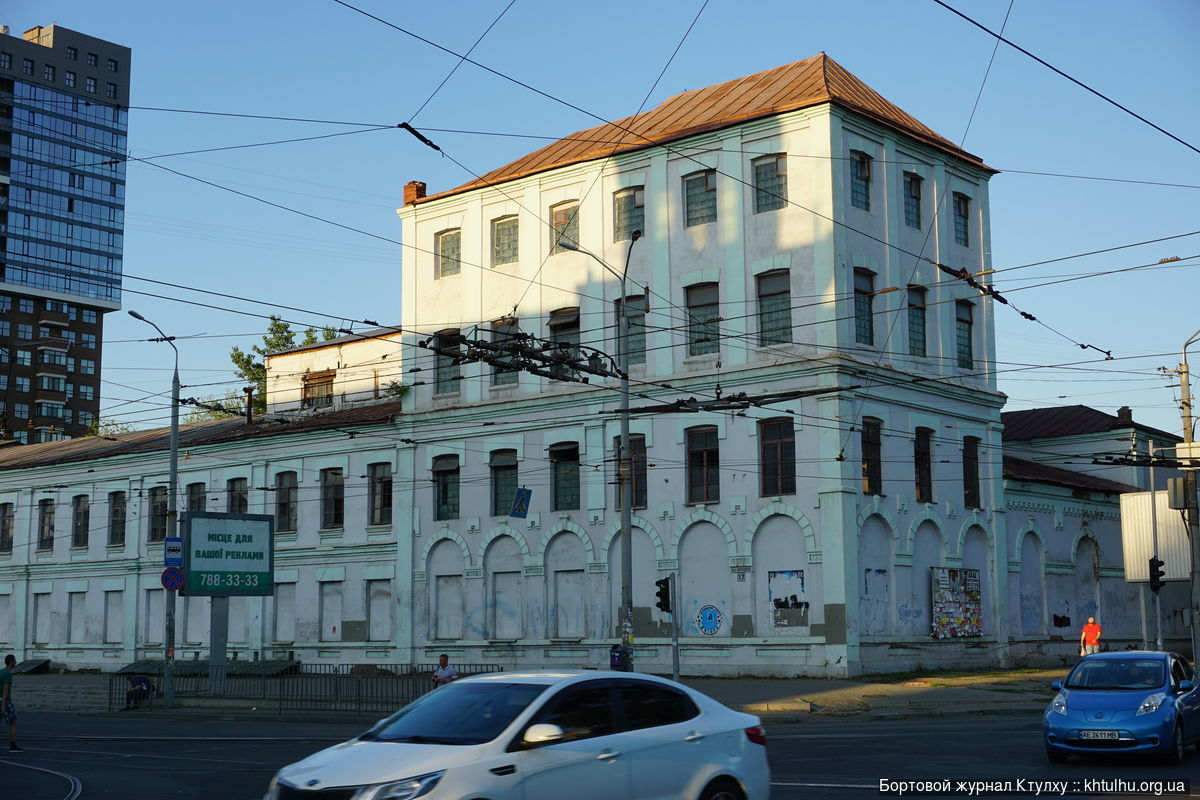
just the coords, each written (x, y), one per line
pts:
(700, 198)
(770, 183)
(449, 252)
(860, 180)
(504, 241)
(629, 213)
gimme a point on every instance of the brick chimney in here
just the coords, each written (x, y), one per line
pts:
(1124, 417)
(413, 191)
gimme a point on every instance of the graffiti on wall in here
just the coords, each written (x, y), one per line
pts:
(785, 593)
(957, 604)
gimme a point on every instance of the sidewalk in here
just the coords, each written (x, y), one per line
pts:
(775, 700)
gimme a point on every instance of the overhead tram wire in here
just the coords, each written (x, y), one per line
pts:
(1077, 82)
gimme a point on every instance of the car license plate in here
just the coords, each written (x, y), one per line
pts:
(1099, 735)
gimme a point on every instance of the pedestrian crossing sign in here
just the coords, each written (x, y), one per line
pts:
(520, 506)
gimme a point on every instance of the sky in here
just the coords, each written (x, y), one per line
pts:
(321, 60)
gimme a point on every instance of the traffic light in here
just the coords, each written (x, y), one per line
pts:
(1156, 574)
(664, 595)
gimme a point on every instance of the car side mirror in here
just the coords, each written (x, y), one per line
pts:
(542, 733)
(1186, 686)
(1056, 686)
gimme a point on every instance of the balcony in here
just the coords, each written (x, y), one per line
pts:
(49, 395)
(53, 318)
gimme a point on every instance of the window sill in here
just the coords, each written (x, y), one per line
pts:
(566, 641)
(716, 502)
(703, 360)
(383, 526)
(115, 546)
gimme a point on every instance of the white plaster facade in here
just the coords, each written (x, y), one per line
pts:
(361, 368)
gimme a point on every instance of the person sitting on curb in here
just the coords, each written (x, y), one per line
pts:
(139, 689)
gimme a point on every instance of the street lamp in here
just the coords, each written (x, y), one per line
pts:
(172, 516)
(625, 468)
(1189, 477)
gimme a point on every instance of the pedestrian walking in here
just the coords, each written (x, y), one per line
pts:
(444, 673)
(1089, 638)
(7, 709)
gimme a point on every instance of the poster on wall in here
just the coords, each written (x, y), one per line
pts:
(785, 593)
(957, 605)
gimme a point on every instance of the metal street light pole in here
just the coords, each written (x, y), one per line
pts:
(172, 518)
(625, 470)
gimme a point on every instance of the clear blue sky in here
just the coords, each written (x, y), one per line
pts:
(318, 59)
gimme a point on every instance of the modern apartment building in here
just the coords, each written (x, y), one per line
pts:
(63, 115)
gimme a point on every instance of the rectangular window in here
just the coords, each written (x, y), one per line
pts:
(112, 65)
(448, 249)
(700, 198)
(962, 217)
(860, 180)
(634, 309)
(923, 464)
(25, 305)
(286, 509)
(963, 326)
(116, 518)
(89, 315)
(774, 307)
(564, 220)
(76, 617)
(237, 496)
(87, 366)
(6, 60)
(447, 373)
(316, 389)
(970, 461)
(380, 479)
(24, 331)
(69, 79)
(703, 466)
(89, 85)
(81, 516)
(47, 72)
(158, 514)
(505, 241)
(110, 90)
(445, 487)
(87, 392)
(45, 524)
(27, 66)
(7, 516)
(330, 611)
(564, 461)
(197, 497)
(777, 457)
(503, 464)
(703, 317)
(73, 53)
(92, 59)
(916, 321)
(564, 333)
(912, 200)
(114, 617)
(864, 301)
(283, 616)
(629, 212)
(503, 333)
(872, 456)
(333, 498)
(770, 183)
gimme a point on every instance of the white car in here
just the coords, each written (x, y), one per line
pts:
(573, 735)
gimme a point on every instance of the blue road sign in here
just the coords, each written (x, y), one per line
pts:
(520, 506)
(172, 578)
(173, 551)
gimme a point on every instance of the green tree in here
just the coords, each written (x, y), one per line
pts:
(231, 401)
(251, 366)
(106, 427)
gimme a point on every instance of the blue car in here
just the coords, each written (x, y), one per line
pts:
(1127, 702)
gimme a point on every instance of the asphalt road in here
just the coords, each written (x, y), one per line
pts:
(140, 757)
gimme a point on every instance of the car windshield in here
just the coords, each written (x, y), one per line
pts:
(458, 713)
(1114, 674)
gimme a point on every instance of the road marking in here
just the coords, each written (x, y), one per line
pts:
(76, 784)
(826, 785)
(147, 755)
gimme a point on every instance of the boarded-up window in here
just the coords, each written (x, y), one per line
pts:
(153, 622)
(331, 611)
(283, 621)
(239, 631)
(379, 611)
(568, 604)
(6, 620)
(76, 619)
(41, 618)
(506, 605)
(449, 606)
(196, 616)
(114, 617)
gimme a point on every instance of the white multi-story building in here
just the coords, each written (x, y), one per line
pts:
(798, 235)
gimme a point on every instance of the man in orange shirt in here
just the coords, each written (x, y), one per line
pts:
(1089, 639)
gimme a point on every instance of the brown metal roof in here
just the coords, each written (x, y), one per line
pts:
(810, 82)
(1041, 423)
(1021, 470)
(192, 435)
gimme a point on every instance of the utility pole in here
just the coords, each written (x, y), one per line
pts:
(168, 686)
(1189, 476)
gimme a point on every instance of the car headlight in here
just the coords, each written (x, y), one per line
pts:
(1151, 703)
(1059, 704)
(272, 789)
(406, 789)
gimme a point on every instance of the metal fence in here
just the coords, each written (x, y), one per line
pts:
(292, 685)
